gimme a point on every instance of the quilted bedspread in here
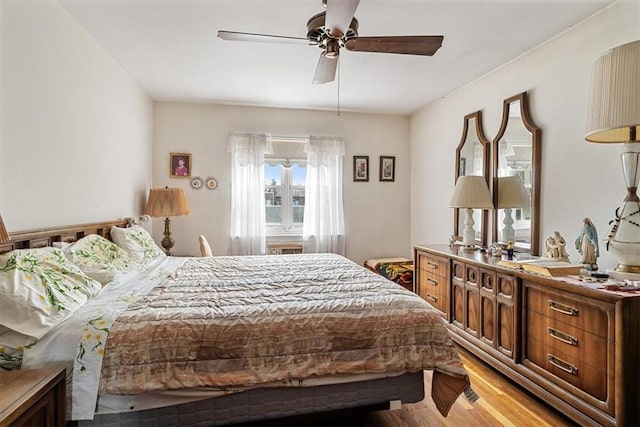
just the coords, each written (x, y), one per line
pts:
(245, 321)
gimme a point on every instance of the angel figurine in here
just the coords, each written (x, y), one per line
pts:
(587, 245)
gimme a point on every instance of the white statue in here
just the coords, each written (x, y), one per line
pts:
(556, 247)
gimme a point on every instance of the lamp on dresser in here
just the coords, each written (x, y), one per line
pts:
(471, 192)
(614, 117)
(167, 202)
(511, 194)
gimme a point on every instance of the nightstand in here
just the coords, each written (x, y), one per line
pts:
(33, 397)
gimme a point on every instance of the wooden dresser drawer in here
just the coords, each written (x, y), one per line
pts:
(571, 342)
(568, 310)
(433, 264)
(432, 288)
(561, 337)
(570, 369)
(432, 280)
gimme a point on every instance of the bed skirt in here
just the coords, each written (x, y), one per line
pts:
(269, 403)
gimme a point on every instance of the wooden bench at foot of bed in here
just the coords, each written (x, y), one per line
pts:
(399, 269)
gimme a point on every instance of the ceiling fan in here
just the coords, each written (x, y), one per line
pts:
(336, 28)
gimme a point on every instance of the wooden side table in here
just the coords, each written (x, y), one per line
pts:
(33, 397)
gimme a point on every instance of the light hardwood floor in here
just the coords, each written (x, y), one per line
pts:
(501, 403)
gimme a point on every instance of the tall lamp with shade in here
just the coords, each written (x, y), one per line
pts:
(167, 202)
(511, 194)
(471, 192)
(614, 116)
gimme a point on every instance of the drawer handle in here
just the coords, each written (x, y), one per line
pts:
(562, 308)
(432, 297)
(561, 364)
(561, 336)
(432, 264)
(433, 282)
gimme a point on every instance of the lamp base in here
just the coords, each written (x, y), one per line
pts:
(167, 242)
(469, 234)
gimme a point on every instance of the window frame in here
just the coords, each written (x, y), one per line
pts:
(286, 227)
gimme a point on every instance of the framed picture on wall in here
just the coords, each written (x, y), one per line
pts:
(387, 168)
(179, 165)
(361, 168)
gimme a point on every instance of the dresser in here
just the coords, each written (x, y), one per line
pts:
(33, 397)
(572, 345)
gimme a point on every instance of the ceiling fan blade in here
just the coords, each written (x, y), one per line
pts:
(407, 45)
(326, 69)
(339, 16)
(263, 38)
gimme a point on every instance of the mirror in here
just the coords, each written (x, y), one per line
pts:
(472, 158)
(516, 177)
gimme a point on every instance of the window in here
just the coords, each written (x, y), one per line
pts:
(284, 196)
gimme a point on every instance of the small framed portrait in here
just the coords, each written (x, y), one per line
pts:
(179, 165)
(387, 168)
(361, 168)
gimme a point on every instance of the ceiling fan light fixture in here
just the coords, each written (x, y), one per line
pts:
(333, 48)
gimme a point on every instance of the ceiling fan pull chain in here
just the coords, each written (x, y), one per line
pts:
(338, 101)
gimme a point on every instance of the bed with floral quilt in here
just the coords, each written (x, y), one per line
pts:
(143, 333)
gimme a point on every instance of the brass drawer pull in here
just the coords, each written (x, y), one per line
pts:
(432, 297)
(561, 336)
(432, 265)
(562, 308)
(433, 282)
(561, 364)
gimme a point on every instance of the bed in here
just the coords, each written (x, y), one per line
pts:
(234, 339)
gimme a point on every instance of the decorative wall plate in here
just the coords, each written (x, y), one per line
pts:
(196, 183)
(211, 183)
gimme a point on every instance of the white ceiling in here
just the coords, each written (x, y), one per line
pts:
(171, 48)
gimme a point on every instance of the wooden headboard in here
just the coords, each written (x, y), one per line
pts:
(47, 236)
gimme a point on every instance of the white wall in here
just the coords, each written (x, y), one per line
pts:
(579, 179)
(377, 213)
(75, 141)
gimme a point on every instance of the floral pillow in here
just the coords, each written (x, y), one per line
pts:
(39, 288)
(99, 258)
(138, 243)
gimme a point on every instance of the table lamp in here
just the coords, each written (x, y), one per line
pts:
(614, 116)
(167, 202)
(511, 194)
(471, 192)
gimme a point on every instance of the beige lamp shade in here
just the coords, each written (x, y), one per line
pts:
(511, 193)
(471, 191)
(614, 102)
(4, 236)
(166, 202)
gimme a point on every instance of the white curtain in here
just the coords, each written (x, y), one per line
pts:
(323, 227)
(248, 226)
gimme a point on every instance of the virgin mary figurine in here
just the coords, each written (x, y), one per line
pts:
(587, 245)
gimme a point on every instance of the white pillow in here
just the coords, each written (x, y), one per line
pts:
(99, 258)
(39, 288)
(138, 243)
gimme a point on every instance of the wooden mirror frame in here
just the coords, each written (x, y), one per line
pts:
(536, 140)
(485, 172)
